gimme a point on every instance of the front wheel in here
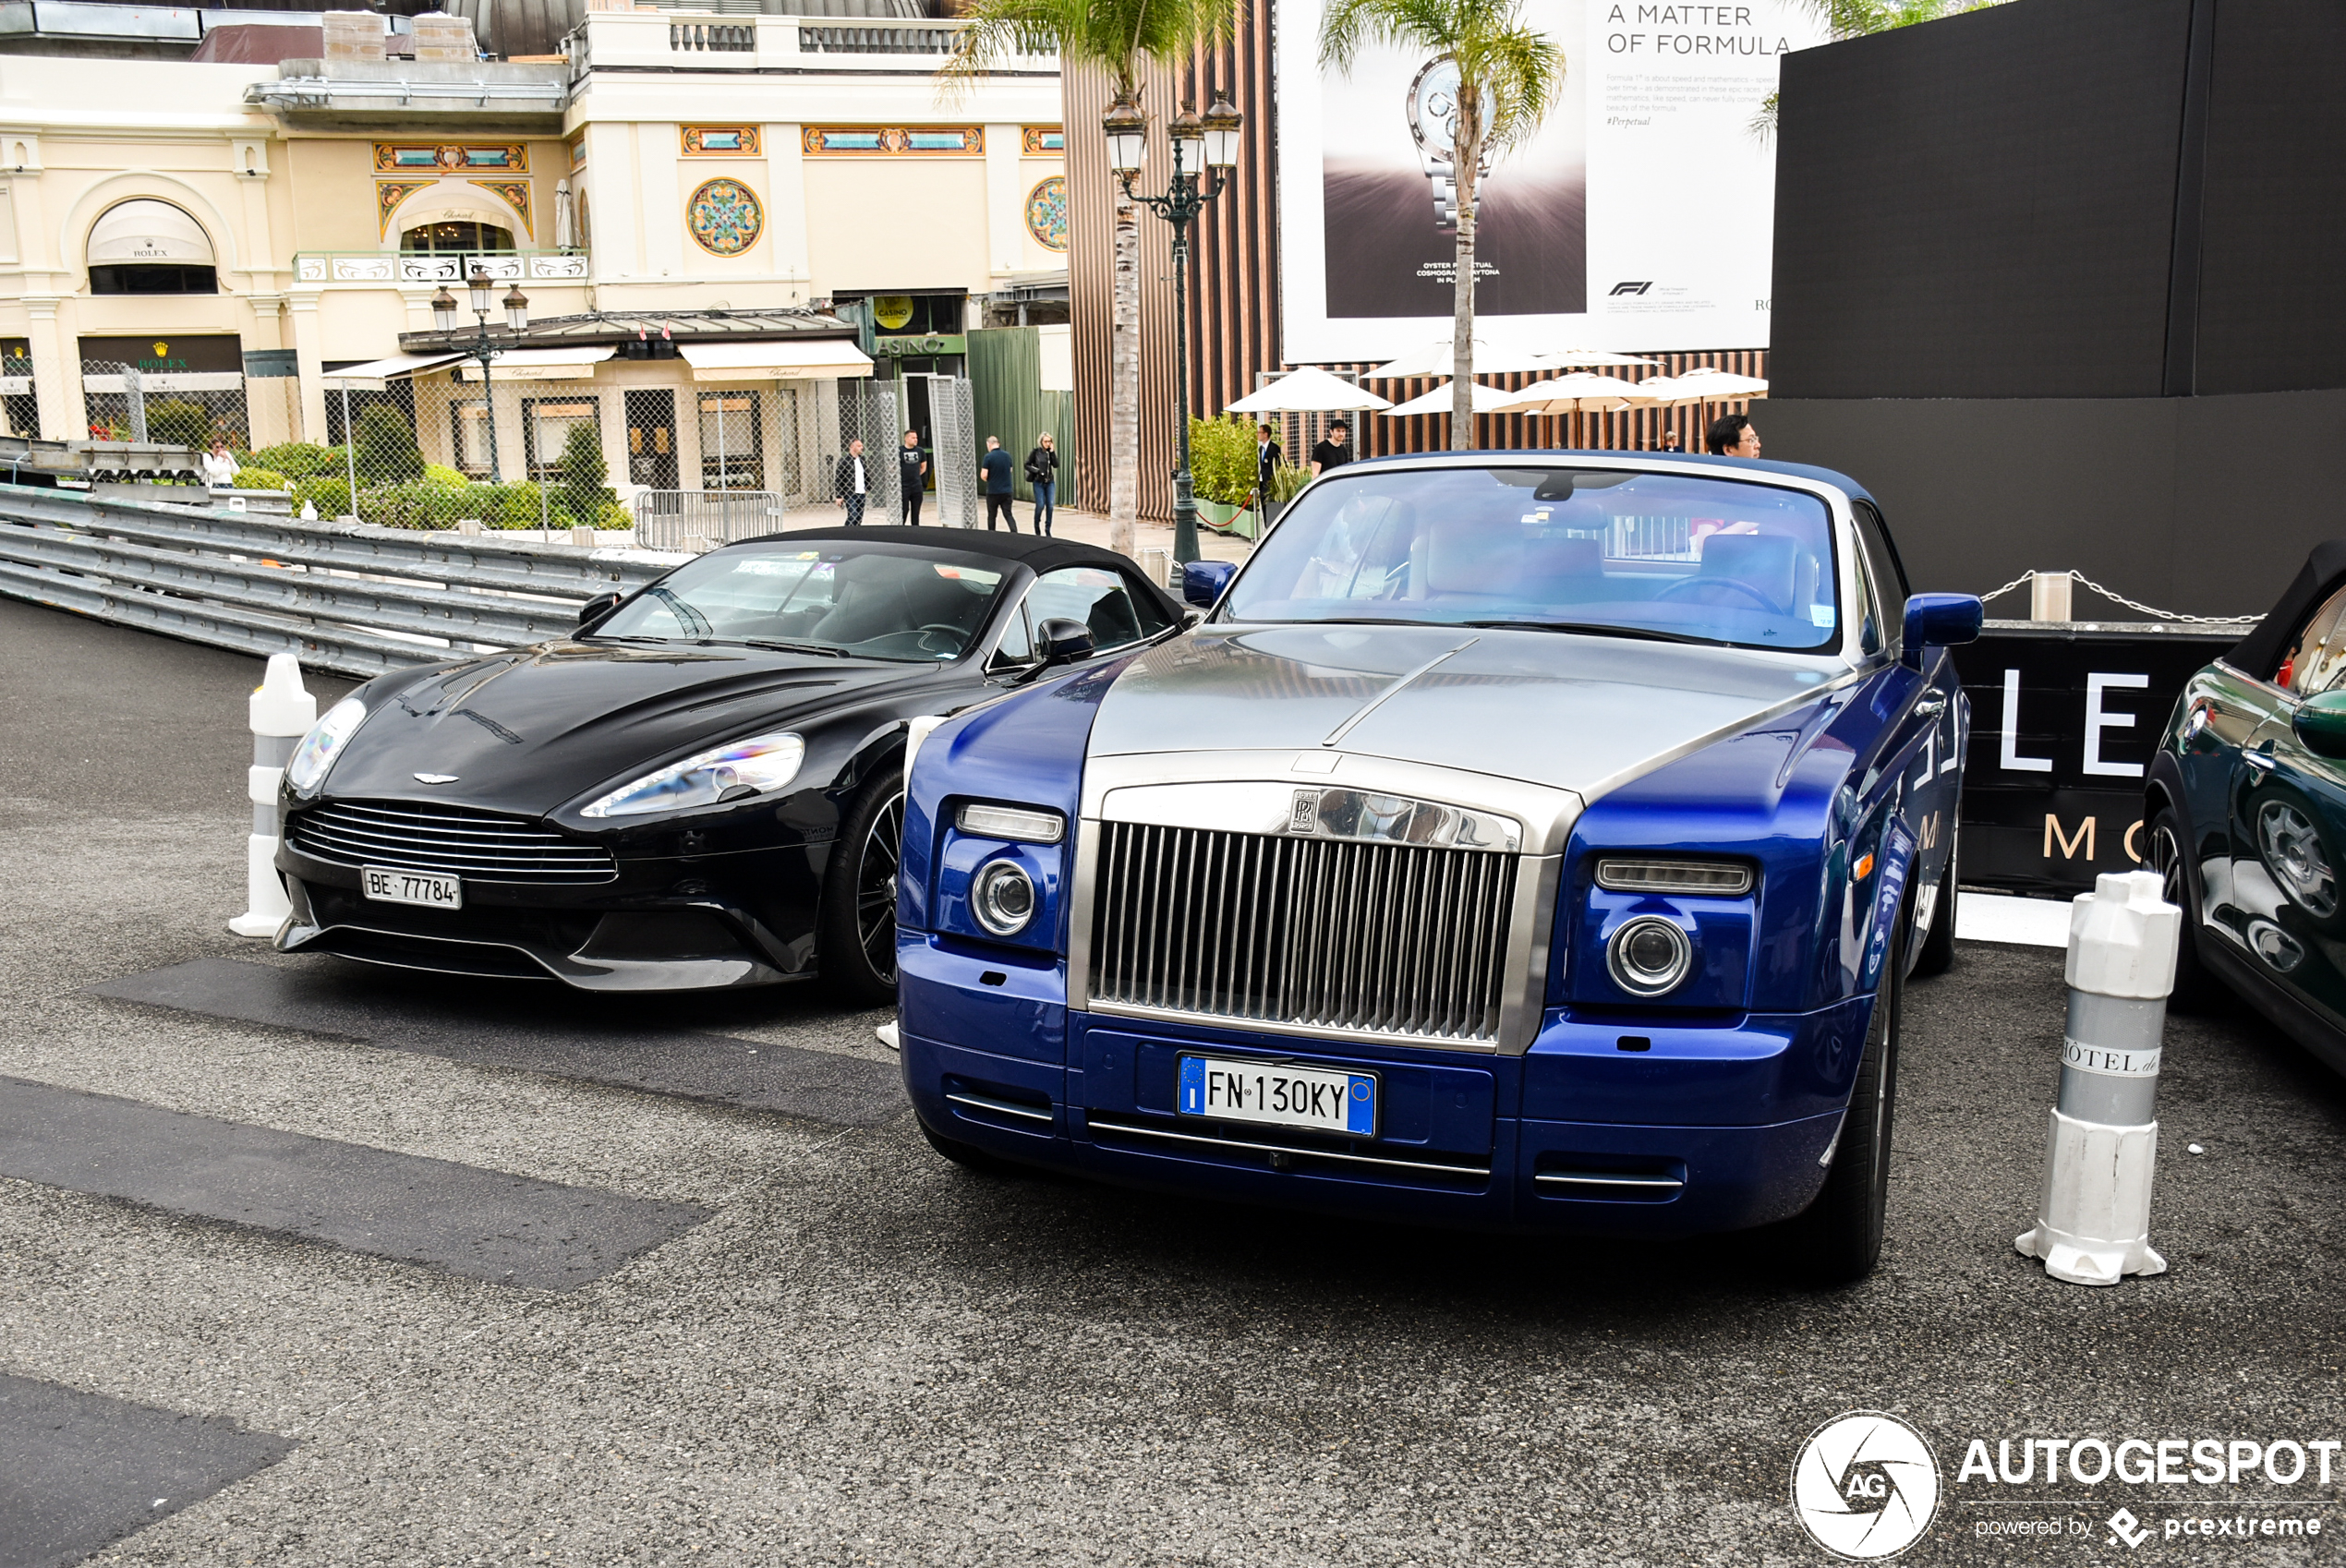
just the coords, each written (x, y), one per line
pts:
(1937, 953)
(857, 936)
(1838, 1237)
(2196, 991)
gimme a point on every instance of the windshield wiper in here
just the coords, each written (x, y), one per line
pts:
(777, 646)
(1597, 628)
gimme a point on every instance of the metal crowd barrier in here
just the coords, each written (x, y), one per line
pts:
(352, 598)
(685, 519)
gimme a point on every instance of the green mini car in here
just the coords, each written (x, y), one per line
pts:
(2246, 814)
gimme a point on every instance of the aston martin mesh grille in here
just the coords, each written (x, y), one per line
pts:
(1378, 938)
(478, 845)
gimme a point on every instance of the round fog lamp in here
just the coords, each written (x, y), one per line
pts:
(1649, 956)
(1003, 898)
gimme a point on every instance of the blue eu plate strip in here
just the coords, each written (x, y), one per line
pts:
(1359, 1106)
(1194, 1086)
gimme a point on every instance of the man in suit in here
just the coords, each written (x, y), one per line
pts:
(1267, 458)
(853, 483)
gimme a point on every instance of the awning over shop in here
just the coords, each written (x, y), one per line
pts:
(539, 364)
(374, 373)
(144, 231)
(774, 361)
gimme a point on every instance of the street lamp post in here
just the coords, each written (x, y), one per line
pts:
(481, 286)
(1200, 143)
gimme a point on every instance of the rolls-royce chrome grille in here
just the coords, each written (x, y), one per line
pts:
(1319, 933)
(478, 845)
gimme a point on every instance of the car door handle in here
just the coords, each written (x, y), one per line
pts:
(2258, 761)
(1930, 707)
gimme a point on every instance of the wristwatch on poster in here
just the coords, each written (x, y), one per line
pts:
(1434, 113)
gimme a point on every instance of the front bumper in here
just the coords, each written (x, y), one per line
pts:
(664, 924)
(1579, 1135)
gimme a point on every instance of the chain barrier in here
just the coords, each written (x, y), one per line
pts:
(2175, 616)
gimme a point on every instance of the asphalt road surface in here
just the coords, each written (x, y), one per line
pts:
(302, 1263)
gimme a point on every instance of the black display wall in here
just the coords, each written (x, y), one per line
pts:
(2058, 281)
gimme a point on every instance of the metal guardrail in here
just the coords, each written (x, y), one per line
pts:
(352, 598)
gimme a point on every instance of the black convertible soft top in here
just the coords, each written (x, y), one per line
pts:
(2260, 652)
(1040, 555)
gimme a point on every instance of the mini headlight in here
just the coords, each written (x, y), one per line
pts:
(307, 768)
(755, 766)
(1649, 956)
(1002, 898)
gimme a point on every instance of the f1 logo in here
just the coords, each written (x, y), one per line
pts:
(1633, 288)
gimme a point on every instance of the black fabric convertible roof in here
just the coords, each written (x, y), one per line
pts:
(1041, 555)
(2260, 653)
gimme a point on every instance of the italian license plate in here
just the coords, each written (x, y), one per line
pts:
(385, 886)
(1279, 1094)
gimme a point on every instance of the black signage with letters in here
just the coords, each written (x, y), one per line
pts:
(2064, 721)
(168, 353)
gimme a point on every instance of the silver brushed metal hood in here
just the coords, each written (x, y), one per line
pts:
(1579, 713)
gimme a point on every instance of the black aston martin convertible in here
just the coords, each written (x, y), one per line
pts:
(703, 787)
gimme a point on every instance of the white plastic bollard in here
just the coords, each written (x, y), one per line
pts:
(2093, 1215)
(281, 712)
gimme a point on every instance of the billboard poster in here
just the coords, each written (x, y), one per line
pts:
(1640, 216)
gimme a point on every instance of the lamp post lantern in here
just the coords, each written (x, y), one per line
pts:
(1201, 142)
(483, 290)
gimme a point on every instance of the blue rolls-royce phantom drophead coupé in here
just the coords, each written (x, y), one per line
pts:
(1524, 841)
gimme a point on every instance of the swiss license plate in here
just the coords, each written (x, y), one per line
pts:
(386, 886)
(1279, 1094)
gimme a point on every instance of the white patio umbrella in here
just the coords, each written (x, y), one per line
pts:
(1704, 385)
(1580, 393)
(1565, 356)
(1487, 400)
(1308, 391)
(1434, 359)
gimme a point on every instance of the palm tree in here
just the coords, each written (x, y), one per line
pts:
(1119, 39)
(1856, 19)
(1508, 76)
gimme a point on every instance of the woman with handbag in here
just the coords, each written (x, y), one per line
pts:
(1043, 474)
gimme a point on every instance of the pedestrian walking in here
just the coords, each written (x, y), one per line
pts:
(994, 469)
(1043, 475)
(1732, 435)
(220, 467)
(853, 483)
(1267, 458)
(913, 475)
(1335, 451)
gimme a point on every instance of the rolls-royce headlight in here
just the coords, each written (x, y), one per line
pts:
(1723, 878)
(1649, 956)
(1002, 898)
(306, 769)
(755, 766)
(1024, 824)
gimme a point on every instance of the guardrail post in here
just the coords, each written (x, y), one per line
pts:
(2048, 595)
(281, 712)
(2093, 1212)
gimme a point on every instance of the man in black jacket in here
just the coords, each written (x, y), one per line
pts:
(853, 483)
(1267, 458)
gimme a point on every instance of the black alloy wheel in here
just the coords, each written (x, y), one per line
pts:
(858, 931)
(2196, 990)
(1838, 1237)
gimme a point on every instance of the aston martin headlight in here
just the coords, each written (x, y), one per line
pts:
(1649, 956)
(306, 769)
(755, 766)
(1002, 898)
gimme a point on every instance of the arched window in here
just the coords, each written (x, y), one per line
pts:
(150, 248)
(456, 238)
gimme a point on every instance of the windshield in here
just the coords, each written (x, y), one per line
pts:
(1662, 555)
(843, 597)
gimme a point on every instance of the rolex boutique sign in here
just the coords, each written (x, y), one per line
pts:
(165, 362)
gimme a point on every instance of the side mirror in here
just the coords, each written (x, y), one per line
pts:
(1942, 620)
(594, 609)
(2321, 724)
(1203, 580)
(1062, 642)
